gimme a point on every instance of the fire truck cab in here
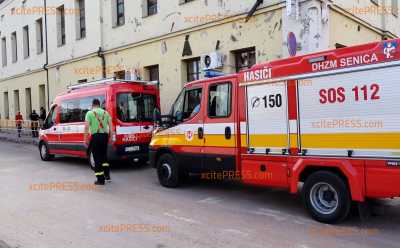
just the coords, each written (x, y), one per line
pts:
(329, 120)
(131, 105)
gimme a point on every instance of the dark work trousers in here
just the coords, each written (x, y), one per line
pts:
(99, 145)
(19, 128)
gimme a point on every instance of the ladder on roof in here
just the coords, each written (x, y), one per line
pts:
(109, 81)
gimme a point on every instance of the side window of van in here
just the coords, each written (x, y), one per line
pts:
(134, 107)
(75, 110)
(219, 100)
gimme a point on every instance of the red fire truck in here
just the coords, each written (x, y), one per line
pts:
(131, 105)
(329, 120)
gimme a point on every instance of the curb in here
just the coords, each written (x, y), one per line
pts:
(14, 139)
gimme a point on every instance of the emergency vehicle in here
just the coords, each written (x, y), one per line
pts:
(329, 120)
(131, 105)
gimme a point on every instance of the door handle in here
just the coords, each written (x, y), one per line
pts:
(200, 133)
(54, 129)
(146, 127)
(228, 133)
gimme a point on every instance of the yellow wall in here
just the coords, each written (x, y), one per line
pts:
(345, 31)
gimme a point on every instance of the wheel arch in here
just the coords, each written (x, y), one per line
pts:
(344, 169)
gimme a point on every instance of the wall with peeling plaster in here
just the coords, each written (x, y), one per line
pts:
(346, 31)
(310, 28)
(378, 16)
(168, 52)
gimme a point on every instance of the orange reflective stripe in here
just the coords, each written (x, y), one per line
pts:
(100, 121)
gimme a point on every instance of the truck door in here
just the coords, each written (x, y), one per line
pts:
(187, 138)
(219, 128)
(267, 135)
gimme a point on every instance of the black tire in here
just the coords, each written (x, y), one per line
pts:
(91, 159)
(168, 171)
(44, 152)
(326, 197)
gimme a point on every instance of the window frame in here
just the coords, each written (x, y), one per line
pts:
(151, 7)
(188, 65)
(39, 36)
(248, 50)
(82, 19)
(119, 15)
(26, 41)
(230, 100)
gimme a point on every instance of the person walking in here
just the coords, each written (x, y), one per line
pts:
(98, 124)
(34, 117)
(18, 123)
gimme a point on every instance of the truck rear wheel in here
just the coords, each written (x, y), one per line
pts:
(326, 197)
(168, 171)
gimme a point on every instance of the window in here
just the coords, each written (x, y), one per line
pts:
(187, 104)
(219, 100)
(14, 48)
(153, 72)
(151, 7)
(120, 13)
(4, 51)
(6, 105)
(39, 36)
(245, 59)
(81, 21)
(119, 74)
(16, 101)
(60, 26)
(28, 101)
(25, 37)
(42, 95)
(75, 110)
(193, 69)
(134, 107)
(395, 7)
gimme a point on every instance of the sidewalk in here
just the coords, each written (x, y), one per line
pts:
(12, 136)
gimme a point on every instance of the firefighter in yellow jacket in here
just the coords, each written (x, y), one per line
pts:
(98, 123)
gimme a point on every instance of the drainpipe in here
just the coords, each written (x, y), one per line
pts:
(47, 56)
(100, 52)
(103, 61)
(383, 20)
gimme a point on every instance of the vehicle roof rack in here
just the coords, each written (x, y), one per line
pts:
(109, 81)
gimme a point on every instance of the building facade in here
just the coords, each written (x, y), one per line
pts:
(43, 52)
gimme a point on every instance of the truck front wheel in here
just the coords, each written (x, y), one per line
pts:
(326, 197)
(168, 171)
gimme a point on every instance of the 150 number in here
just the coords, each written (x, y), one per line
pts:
(273, 101)
(338, 95)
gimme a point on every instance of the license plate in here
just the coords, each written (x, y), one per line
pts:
(132, 149)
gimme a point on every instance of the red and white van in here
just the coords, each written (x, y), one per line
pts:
(131, 105)
(330, 120)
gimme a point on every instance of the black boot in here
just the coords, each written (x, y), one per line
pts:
(100, 181)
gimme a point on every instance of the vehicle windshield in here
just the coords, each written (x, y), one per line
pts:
(135, 107)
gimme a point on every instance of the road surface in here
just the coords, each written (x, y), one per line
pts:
(53, 204)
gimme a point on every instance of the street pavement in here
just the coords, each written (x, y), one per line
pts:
(53, 204)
